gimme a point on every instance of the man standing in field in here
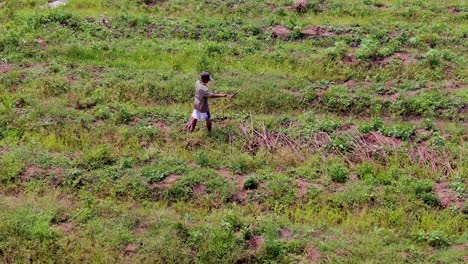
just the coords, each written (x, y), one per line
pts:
(201, 110)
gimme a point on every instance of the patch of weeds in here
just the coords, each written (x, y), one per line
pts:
(374, 125)
(366, 171)
(354, 196)
(369, 49)
(437, 239)
(338, 51)
(279, 189)
(241, 163)
(96, 158)
(402, 131)
(337, 172)
(437, 140)
(157, 172)
(423, 190)
(202, 158)
(341, 142)
(10, 168)
(250, 183)
(45, 160)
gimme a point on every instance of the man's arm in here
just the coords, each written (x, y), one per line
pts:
(218, 95)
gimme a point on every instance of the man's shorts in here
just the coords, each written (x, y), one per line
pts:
(200, 116)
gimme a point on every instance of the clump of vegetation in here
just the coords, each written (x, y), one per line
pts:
(337, 172)
(250, 183)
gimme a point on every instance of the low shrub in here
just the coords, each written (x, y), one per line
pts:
(337, 172)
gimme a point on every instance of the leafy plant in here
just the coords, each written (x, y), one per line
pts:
(338, 172)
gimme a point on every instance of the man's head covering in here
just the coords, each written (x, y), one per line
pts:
(206, 76)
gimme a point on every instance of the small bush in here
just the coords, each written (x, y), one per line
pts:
(338, 172)
(250, 183)
(96, 158)
(402, 131)
(436, 239)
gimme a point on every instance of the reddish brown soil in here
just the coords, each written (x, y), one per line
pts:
(280, 32)
(302, 187)
(161, 125)
(65, 227)
(461, 247)
(4, 68)
(256, 242)
(166, 183)
(349, 59)
(376, 138)
(388, 97)
(317, 31)
(42, 43)
(140, 229)
(405, 57)
(285, 234)
(348, 128)
(199, 189)
(312, 254)
(447, 197)
(453, 10)
(350, 83)
(34, 172)
(454, 86)
(224, 173)
(131, 249)
(241, 194)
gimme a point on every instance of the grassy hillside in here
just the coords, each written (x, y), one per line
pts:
(346, 143)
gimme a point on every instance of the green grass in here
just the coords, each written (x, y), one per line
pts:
(342, 143)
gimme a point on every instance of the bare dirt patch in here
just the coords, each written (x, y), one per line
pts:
(241, 195)
(454, 86)
(302, 187)
(224, 173)
(199, 189)
(65, 227)
(280, 32)
(405, 57)
(453, 10)
(166, 183)
(317, 31)
(131, 249)
(4, 68)
(256, 242)
(161, 125)
(285, 234)
(139, 230)
(348, 127)
(349, 59)
(376, 138)
(312, 254)
(36, 172)
(447, 196)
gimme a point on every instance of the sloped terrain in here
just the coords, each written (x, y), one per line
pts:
(346, 142)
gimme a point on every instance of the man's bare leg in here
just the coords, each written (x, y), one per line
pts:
(187, 125)
(192, 125)
(208, 124)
